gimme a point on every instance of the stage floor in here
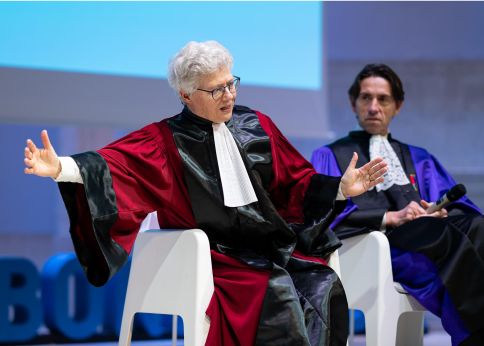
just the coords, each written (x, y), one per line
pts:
(436, 338)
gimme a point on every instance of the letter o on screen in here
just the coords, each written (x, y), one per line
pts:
(72, 307)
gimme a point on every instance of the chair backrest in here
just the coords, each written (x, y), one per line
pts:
(334, 262)
(171, 273)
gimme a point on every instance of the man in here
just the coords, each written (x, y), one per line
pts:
(227, 170)
(439, 259)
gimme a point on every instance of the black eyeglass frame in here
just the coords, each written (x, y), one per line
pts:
(234, 82)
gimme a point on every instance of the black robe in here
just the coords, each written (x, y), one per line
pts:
(431, 257)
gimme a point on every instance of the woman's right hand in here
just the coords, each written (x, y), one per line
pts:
(42, 162)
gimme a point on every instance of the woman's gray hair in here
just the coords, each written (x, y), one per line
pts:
(195, 60)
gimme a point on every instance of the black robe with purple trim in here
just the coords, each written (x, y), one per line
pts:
(272, 284)
(438, 261)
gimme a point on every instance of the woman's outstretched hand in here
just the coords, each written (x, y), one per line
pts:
(355, 181)
(42, 162)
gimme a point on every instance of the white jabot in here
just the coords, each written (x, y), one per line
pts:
(236, 185)
(380, 146)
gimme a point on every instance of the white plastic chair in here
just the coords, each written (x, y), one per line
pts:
(171, 273)
(333, 263)
(392, 317)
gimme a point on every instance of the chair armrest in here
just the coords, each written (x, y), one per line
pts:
(334, 264)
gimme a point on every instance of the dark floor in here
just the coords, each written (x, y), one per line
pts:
(435, 336)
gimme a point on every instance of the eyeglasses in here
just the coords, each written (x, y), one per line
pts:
(230, 86)
(383, 100)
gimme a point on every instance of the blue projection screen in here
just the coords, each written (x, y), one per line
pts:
(85, 70)
(105, 63)
(274, 43)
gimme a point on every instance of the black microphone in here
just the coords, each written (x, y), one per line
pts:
(450, 196)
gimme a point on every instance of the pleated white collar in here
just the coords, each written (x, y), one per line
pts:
(236, 185)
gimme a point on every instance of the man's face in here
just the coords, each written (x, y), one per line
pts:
(202, 103)
(375, 106)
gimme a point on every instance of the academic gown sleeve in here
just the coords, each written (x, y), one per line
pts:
(304, 198)
(324, 162)
(123, 182)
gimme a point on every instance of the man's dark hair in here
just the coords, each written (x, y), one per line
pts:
(378, 70)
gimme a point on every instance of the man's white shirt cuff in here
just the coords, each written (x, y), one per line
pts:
(383, 226)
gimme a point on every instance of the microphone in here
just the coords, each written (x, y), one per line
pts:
(456, 192)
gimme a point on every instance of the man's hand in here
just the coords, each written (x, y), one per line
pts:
(397, 218)
(356, 181)
(41, 162)
(411, 212)
(439, 213)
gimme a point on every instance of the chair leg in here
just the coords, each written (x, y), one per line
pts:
(380, 327)
(410, 329)
(351, 335)
(126, 330)
(174, 330)
(189, 334)
(194, 329)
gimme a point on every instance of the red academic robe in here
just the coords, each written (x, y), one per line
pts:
(146, 171)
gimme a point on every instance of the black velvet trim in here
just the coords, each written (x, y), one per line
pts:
(103, 261)
(315, 238)
(197, 120)
(320, 196)
(406, 160)
(98, 183)
(357, 141)
(253, 142)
